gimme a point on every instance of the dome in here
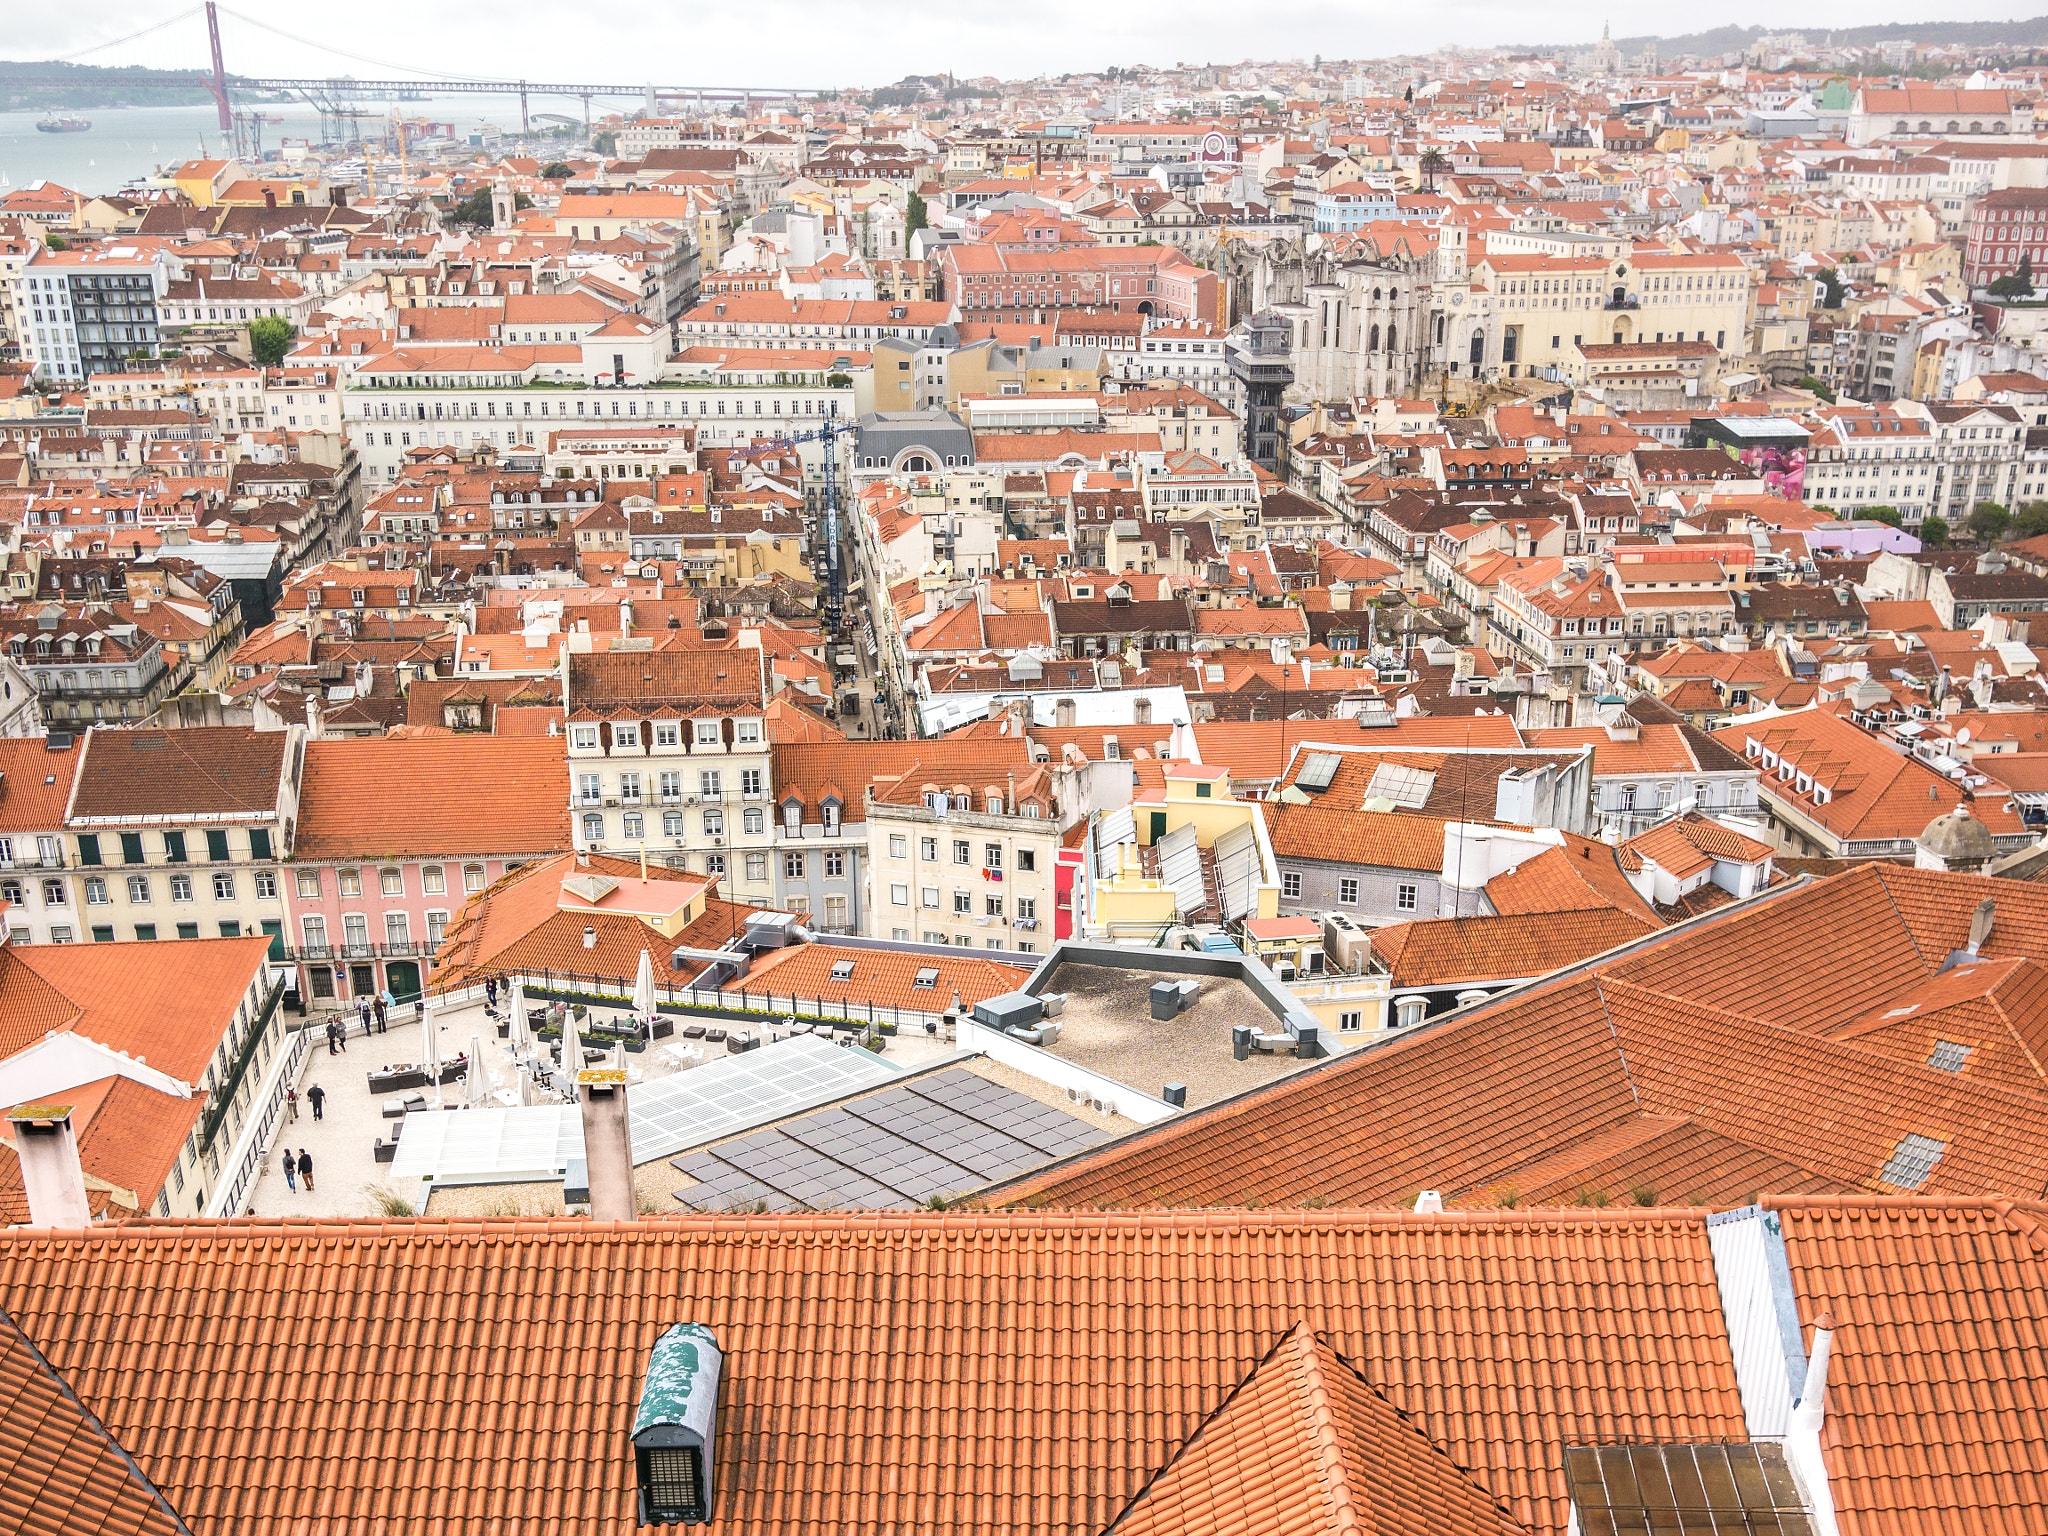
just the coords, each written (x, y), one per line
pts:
(1957, 837)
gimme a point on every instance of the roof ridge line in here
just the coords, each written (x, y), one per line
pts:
(1322, 1429)
(1614, 1034)
(1891, 901)
(93, 1421)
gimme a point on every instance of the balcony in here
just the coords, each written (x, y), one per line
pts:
(1623, 303)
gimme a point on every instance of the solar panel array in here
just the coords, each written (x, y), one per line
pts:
(1180, 866)
(1118, 826)
(941, 1135)
(1237, 870)
(684, 1109)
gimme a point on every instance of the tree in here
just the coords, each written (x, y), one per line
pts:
(1934, 532)
(270, 338)
(476, 208)
(915, 216)
(1409, 95)
(606, 143)
(556, 170)
(2010, 286)
(2031, 521)
(1432, 164)
(1988, 522)
(1889, 516)
(55, 244)
(1832, 287)
(2026, 273)
(1817, 387)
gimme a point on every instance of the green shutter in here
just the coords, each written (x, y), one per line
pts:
(131, 848)
(88, 848)
(275, 928)
(259, 844)
(174, 847)
(217, 846)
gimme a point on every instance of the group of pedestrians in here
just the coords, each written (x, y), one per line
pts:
(299, 1166)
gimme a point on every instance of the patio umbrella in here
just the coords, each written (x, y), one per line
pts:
(478, 1083)
(643, 988)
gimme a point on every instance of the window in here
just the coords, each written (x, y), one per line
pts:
(994, 906)
(625, 733)
(266, 884)
(95, 892)
(1290, 884)
(962, 853)
(138, 889)
(992, 856)
(1351, 1020)
(593, 829)
(899, 846)
(1027, 860)
(53, 893)
(259, 843)
(472, 877)
(131, 848)
(188, 930)
(391, 882)
(223, 887)
(757, 866)
(396, 930)
(963, 903)
(1404, 898)
(316, 932)
(589, 788)
(835, 866)
(711, 783)
(792, 866)
(633, 826)
(309, 884)
(671, 787)
(433, 879)
(750, 782)
(146, 932)
(181, 890)
(63, 935)
(928, 848)
(899, 895)
(1410, 1012)
(217, 845)
(754, 819)
(351, 881)
(1347, 892)
(103, 935)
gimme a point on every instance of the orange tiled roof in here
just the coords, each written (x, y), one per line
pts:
(882, 978)
(1011, 1375)
(459, 796)
(1720, 1022)
(61, 1473)
(1307, 1444)
(1455, 951)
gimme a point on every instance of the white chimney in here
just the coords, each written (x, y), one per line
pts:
(590, 938)
(1802, 1437)
(51, 1175)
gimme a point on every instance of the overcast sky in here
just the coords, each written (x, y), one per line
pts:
(866, 42)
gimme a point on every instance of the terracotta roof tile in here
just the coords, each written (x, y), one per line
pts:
(198, 770)
(447, 795)
(927, 1373)
(61, 1473)
(1307, 1444)
(1455, 951)
(1937, 1405)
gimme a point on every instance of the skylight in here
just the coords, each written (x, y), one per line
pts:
(1949, 1055)
(1912, 1161)
(842, 970)
(927, 977)
(1317, 770)
(1406, 787)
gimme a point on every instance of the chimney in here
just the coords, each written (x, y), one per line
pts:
(676, 1425)
(590, 938)
(607, 1142)
(50, 1172)
(269, 198)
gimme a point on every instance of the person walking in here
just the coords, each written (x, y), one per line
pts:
(364, 1008)
(291, 1171)
(291, 1101)
(382, 1015)
(490, 992)
(306, 1168)
(317, 1097)
(332, 1030)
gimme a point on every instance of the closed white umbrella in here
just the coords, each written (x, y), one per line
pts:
(572, 1047)
(521, 1038)
(478, 1083)
(430, 1055)
(643, 988)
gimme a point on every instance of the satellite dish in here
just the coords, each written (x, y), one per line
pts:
(1963, 737)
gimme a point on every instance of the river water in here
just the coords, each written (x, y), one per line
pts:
(128, 143)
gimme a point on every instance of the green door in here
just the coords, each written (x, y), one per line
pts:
(402, 977)
(1158, 826)
(275, 928)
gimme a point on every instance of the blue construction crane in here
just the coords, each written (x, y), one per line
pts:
(835, 588)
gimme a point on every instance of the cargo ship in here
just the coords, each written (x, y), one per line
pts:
(63, 125)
